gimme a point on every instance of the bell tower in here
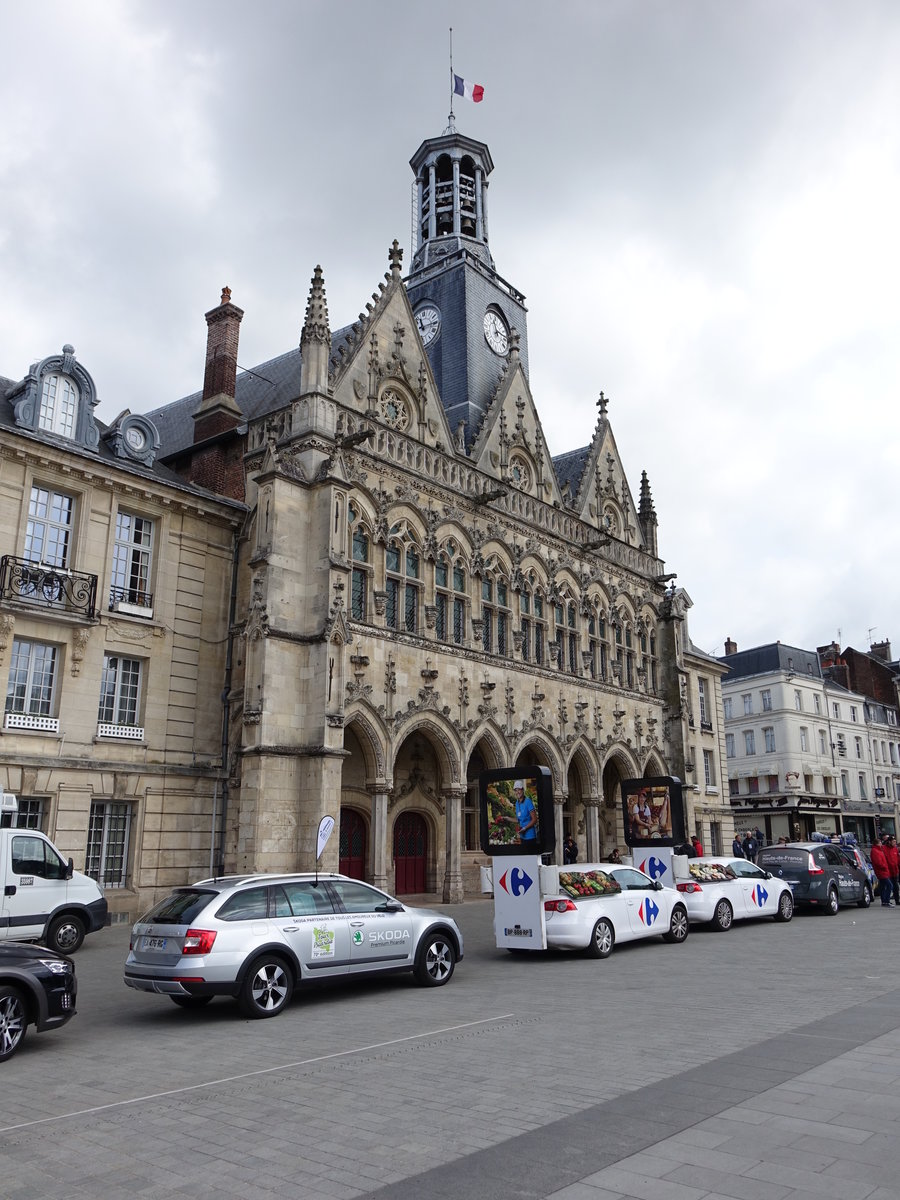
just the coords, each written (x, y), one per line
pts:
(465, 312)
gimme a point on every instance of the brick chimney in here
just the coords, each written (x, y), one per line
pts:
(881, 651)
(218, 409)
(730, 646)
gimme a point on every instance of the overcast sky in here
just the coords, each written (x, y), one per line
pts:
(700, 201)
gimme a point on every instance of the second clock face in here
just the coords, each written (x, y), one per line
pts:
(495, 332)
(428, 323)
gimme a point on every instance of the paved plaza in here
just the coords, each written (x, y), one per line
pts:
(760, 1064)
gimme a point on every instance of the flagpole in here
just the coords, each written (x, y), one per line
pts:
(451, 75)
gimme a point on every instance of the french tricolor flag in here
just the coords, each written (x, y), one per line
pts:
(471, 91)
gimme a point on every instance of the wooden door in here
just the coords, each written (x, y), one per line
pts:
(353, 844)
(410, 853)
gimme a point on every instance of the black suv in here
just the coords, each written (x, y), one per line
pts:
(37, 987)
(819, 874)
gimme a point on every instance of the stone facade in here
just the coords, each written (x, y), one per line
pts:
(114, 592)
(375, 599)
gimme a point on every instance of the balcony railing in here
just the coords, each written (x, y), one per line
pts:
(131, 601)
(45, 586)
(131, 733)
(14, 720)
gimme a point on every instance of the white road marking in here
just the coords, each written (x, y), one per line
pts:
(303, 1062)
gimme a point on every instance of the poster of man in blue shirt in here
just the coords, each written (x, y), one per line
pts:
(515, 804)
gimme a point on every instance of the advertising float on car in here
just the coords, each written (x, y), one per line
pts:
(591, 907)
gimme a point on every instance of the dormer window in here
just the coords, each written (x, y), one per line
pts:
(59, 405)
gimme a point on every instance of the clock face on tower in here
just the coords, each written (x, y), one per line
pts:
(495, 332)
(428, 323)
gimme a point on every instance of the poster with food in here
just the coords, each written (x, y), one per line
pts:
(652, 811)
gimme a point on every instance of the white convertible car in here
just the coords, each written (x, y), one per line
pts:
(599, 905)
(721, 890)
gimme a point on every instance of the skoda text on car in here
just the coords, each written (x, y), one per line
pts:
(719, 891)
(598, 906)
(256, 937)
(819, 874)
(37, 987)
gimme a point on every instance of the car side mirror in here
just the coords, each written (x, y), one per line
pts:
(70, 869)
(769, 875)
(657, 885)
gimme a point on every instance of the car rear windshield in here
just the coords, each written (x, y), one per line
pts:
(783, 856)
(180, 908)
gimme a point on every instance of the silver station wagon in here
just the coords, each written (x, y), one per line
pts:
(256, 937)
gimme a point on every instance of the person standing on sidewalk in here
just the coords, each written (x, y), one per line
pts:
(893, 862)
(880, 867)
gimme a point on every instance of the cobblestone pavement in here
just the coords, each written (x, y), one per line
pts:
(754, 1064)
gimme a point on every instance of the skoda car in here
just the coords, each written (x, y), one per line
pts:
(37, 987)
(819, 874)
(257, 937)
(600, 906)
(719, 891)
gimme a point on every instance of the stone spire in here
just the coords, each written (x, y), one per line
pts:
(315, 339)
(647, 515)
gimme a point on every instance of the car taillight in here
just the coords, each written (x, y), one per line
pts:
(560, 906)
(689, 887)
(198, 941)
(813, 869)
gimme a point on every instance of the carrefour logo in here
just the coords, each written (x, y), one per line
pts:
(653, 867)
(515, 882)
(759, 895)
(649, 912)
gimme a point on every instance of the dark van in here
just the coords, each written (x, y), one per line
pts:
(818, 873)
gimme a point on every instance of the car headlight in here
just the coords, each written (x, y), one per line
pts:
(56, 966)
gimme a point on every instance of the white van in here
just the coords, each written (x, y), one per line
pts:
(41, 898)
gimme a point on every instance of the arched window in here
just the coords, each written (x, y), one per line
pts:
(403, 571)
(534, 624)
(59, 405)
(360, 576)
(496, 615)
(599, 646)
(450, 596)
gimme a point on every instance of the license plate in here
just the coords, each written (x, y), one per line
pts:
(153, 943)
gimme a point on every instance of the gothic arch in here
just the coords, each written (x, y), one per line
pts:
(442, 738)
(550, 753)
(373, 739)
(584, 759)
(491, 733)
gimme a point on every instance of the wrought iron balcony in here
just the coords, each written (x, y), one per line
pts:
(46, 586)
(132, 601)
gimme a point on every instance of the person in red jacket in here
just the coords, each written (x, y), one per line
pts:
(880, 867)
(893, 861)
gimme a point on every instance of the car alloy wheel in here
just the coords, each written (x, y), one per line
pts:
(602, 940)
(267, 988)
(785, 907)
(866, 897)
(723, 916)
(832, 904)
(679, 926)
(13, 1021)
(435, 960)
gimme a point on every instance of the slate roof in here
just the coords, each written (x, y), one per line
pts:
(776, 656)
(258, 391)
(569, 467)
(103, 454)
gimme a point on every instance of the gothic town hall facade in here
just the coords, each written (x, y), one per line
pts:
(344, 582)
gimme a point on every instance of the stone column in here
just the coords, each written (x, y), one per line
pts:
(380, 847)
(453, 892)
(432, 208)
(559, 803)
(593, 845)
(456, 200)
